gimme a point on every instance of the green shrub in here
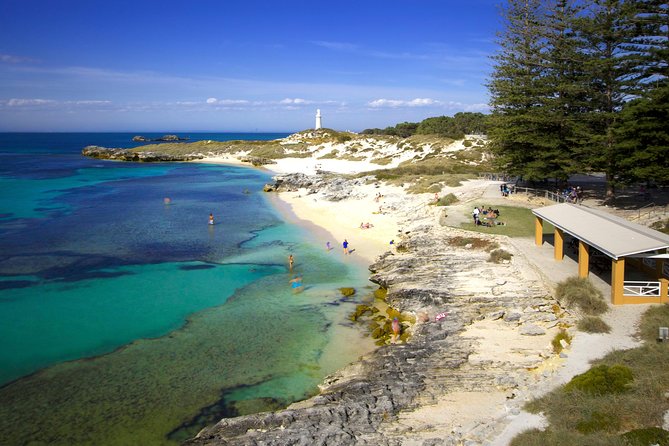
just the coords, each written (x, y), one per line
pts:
(475, 242)
(654, 317)
(602, 380)
(561, 335)
(579, 292)
(598, 422)
(342, 138)
(647, 436)
(467, 143)
(447, 200)
(559, 437)
(662, 226)
(593, 324)
(499, 255)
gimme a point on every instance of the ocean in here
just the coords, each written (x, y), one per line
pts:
(126, 319)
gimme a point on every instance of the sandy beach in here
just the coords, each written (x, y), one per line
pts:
(390, 211)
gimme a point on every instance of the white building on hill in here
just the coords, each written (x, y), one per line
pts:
(319, 123)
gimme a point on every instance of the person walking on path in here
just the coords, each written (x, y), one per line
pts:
(475, 214)
(345, 245)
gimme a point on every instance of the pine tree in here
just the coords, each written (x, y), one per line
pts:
(515, 92)
(643, 133)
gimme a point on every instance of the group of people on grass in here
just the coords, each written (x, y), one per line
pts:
(485, 217)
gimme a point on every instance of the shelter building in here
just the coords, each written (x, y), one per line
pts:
(599, 237)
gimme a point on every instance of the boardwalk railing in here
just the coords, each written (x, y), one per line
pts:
(553, 196)
(641, 289)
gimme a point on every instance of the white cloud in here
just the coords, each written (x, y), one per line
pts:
(295, 101)
(339, 46)
(227, 101)
(396, 103)
(28, 102)
(9, 58)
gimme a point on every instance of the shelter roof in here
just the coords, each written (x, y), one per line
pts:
(612, 235)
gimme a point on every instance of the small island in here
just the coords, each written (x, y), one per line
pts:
(164, 138)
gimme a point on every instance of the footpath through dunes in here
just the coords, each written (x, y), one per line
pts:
(459, 377)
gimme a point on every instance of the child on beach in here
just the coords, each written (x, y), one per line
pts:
(345, 245)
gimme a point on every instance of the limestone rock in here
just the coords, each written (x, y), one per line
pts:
(532, 330)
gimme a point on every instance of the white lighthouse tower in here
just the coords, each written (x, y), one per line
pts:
(319, 124)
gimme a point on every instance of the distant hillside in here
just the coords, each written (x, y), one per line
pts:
(384, 150)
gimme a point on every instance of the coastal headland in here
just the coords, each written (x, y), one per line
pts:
(475, 332)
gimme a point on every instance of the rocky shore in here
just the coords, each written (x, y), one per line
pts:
(444, 277)
(130, 155)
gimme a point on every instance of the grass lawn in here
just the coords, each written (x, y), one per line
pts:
(518, 222)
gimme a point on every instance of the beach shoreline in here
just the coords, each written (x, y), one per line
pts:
(509, 298)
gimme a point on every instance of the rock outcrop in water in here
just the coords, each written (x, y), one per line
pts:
(129, 155)
(165, 138)
(428, 275)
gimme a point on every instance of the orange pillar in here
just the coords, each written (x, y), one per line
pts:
(538, 231)
(583, 259)
(617, 281)
(559, 244)
(664, 290)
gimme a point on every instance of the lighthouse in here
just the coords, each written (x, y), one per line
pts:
(319, 124)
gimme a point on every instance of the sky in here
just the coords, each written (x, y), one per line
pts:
(241, 66)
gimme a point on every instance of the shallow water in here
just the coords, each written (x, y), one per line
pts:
(128, 321)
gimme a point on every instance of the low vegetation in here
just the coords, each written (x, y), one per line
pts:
(593, 324)
(557, 341)
(446, 200)
(473, 242)
(662, 226)
(580, 293)
(619, 401)
(499, 256)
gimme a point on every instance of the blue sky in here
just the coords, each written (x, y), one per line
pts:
(229, 65)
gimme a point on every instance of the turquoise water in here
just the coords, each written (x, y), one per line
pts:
(135, 322)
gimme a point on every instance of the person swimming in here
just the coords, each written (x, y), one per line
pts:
(296, 284)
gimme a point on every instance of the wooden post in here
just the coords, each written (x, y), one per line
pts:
(559, 244)
(583, 259)
(617, 281)
(538, 231)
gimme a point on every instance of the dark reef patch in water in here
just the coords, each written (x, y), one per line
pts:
(224, 409)
(195, 267)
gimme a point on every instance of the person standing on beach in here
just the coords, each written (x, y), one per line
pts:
(345, 245)
(291, 260)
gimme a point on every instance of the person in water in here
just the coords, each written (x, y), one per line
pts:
(211, 219)
(291, 260)
(296, 284)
